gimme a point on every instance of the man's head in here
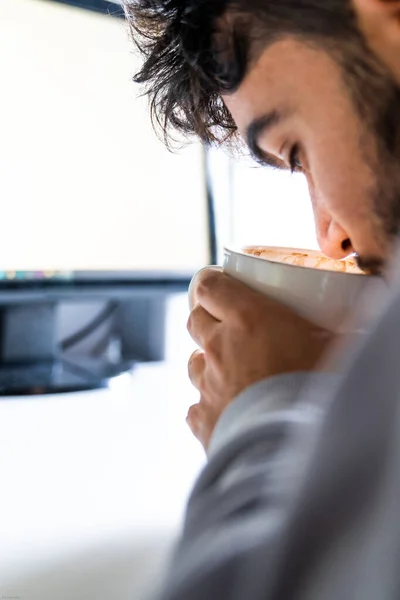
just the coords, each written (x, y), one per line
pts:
(303, 83)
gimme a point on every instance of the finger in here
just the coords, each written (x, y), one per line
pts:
(193, 420)
(197, 422)
(201, 325)
(196, 368)
(193, 285)
(193, 417)
(224, 297)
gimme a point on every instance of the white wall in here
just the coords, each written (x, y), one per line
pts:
(271, 207)
(84, 182)
(261, 206)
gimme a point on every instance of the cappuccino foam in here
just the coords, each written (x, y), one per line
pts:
(307, 258)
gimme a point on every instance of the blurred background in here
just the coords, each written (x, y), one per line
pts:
(102, 230)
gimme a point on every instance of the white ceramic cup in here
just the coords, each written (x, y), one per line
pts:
(325, 297)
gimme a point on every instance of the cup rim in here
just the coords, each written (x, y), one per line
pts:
(241, 252)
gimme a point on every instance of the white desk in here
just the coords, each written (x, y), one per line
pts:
(94, 485)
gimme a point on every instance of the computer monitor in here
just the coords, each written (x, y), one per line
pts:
(92, 203)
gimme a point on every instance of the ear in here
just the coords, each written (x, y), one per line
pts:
(377, 13)
(379, 20)
(377, 6)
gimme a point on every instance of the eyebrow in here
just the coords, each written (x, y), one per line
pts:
(253, 133)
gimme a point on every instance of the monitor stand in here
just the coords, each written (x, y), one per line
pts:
(30, 359)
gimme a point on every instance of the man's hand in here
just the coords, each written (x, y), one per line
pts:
(245, 337)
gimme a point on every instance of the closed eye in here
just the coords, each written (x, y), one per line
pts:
(255, 130)
(296, 166)
(264, 159)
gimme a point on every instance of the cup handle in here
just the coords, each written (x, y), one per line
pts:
(192, 285)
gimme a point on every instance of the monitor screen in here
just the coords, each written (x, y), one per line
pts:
(86, 187)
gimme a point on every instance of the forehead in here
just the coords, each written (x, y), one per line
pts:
(287, 75)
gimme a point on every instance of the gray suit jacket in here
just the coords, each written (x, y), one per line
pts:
(301, 495)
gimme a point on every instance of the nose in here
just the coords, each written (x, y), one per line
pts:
(333, 240)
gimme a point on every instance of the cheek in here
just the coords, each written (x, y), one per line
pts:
(339, 189)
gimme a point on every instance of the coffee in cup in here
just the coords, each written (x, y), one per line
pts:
(304, 258)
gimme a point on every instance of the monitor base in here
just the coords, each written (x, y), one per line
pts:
(62, 376)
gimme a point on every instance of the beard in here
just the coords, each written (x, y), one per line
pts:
(385, 213)
(376, 96)
(384, 201)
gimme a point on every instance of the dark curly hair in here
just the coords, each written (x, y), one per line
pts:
(196, 50)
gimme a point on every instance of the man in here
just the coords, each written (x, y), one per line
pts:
(301, 493)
